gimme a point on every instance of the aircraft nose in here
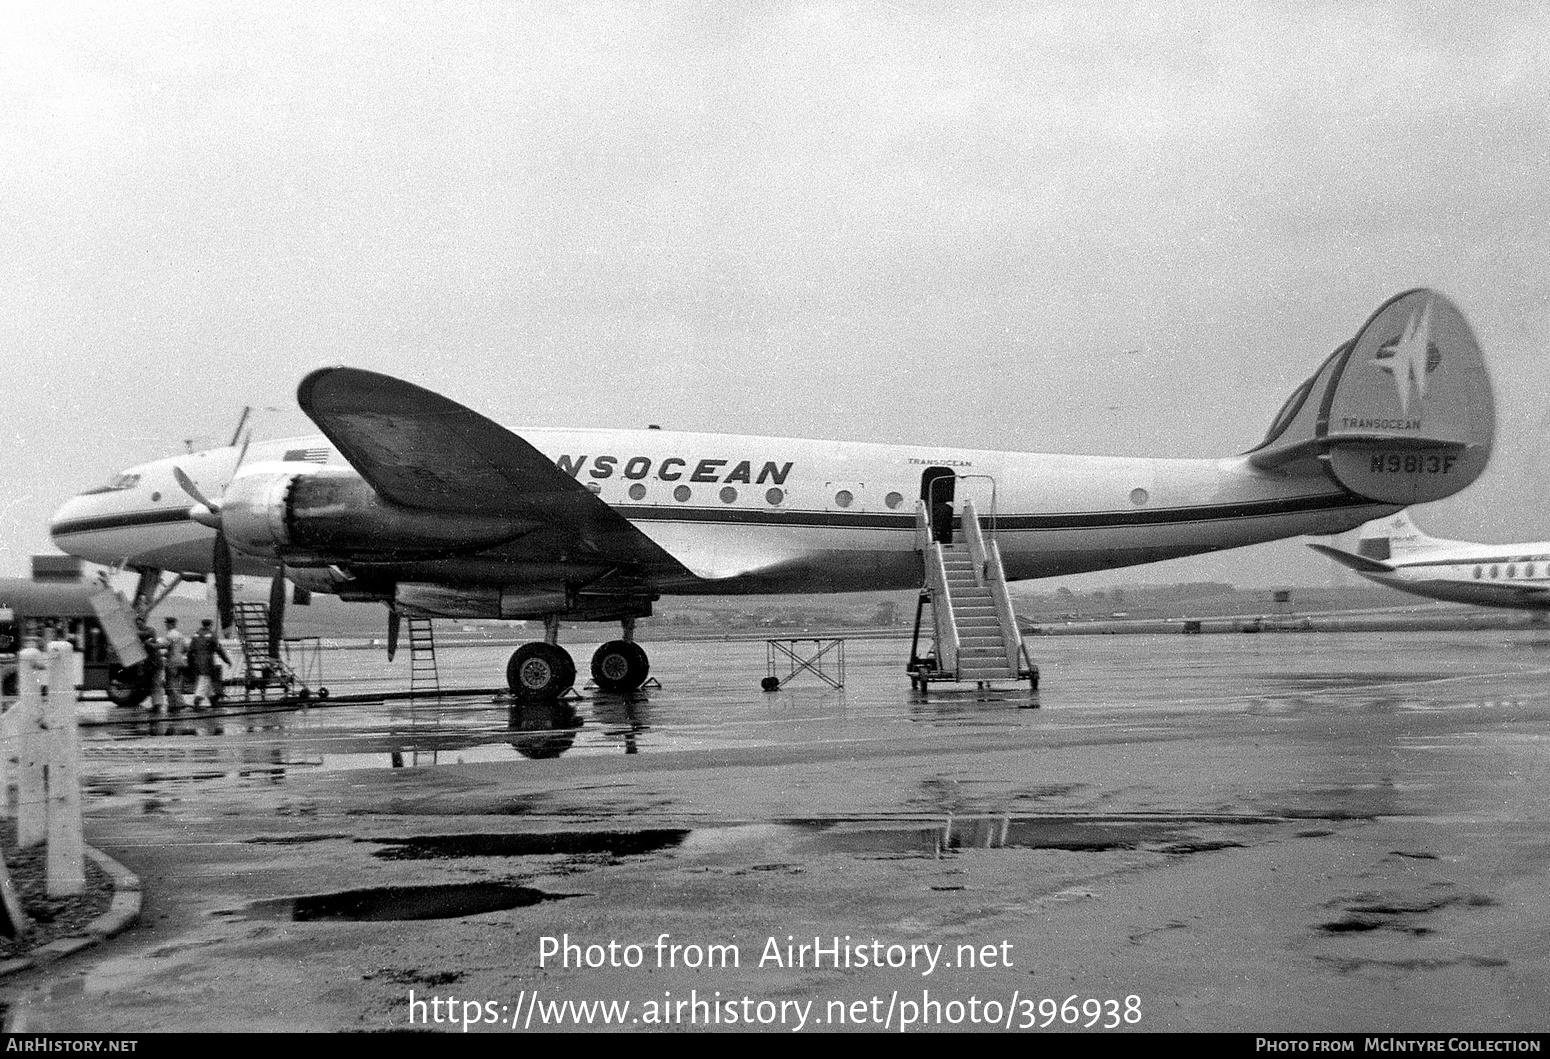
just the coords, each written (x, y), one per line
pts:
(67, 520)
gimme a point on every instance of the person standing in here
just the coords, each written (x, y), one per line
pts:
(155, 665)
(176, 652)
(202, 653)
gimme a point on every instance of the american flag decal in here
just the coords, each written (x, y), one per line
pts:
(317, 455)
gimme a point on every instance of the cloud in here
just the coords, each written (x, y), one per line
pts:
(861, 220)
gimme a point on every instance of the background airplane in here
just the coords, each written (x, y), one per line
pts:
(1393, 551)
(413, 500)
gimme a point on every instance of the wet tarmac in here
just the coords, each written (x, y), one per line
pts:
(1282, 832)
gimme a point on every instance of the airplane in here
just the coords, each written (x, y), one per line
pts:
(1394, 552)
(415, 501)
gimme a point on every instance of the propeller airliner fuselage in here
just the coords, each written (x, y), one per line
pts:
(413, 500)
(1394, 552)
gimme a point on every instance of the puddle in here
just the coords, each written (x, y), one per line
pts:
(562, 843)
(1076, 834)
(398, 902)
(1399, 916)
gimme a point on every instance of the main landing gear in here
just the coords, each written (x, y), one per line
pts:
(545, 671)
(620, 665)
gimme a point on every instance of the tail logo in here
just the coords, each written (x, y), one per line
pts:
(1410, 357)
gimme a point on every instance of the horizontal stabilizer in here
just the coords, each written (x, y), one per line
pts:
(1360, 563)
(1401, 414)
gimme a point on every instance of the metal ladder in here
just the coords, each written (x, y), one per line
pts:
(974, 629)
(260, 668)
(423, 676)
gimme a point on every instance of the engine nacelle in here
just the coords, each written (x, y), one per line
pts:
(332, 581)
(480, 601)
(334, 512)
(253, 513)
(516, 602)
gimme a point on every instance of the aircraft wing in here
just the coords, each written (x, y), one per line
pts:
(421, 450)
(1360, 563)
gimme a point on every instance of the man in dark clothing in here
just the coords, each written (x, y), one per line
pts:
(202, 653)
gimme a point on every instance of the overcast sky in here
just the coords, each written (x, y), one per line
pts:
(1086, 228)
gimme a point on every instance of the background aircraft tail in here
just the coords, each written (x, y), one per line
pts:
(1397, 538)
(1401, 414)
(1394, 537)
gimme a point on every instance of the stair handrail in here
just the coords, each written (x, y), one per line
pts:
(922, 526)
(942, 610)
(991, 533)
(974, 537)
(988, 571)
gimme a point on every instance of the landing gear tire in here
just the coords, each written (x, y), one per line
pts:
(620, 665)
(540, 671)
(128, 685)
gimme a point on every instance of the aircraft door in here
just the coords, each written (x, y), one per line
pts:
(937, 488)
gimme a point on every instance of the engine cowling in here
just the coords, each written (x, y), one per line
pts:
(253, 513)
(334, 514)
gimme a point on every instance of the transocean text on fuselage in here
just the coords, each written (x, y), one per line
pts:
(673, 468)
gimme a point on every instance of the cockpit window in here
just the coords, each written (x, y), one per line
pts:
(118, 483)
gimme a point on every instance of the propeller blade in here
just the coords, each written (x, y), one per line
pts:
(276, 612)
(394, 620)
(192, 490)
(225, 610)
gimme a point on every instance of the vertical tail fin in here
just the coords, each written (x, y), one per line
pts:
(1392, 537)
(1401, 414)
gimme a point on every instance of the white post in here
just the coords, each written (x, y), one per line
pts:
(31, 810)
(9, 711)
(66, 854)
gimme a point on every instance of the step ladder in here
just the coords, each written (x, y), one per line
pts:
(261, 669)
(423, 676)
(974, 632)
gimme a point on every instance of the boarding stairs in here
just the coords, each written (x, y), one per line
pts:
(261, 669)
(973, 627)
(423, 676)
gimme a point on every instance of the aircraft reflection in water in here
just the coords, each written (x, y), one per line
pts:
(1394, 552)
(414, 501)
(547, 729)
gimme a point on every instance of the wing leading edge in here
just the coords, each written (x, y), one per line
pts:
(421, 450)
